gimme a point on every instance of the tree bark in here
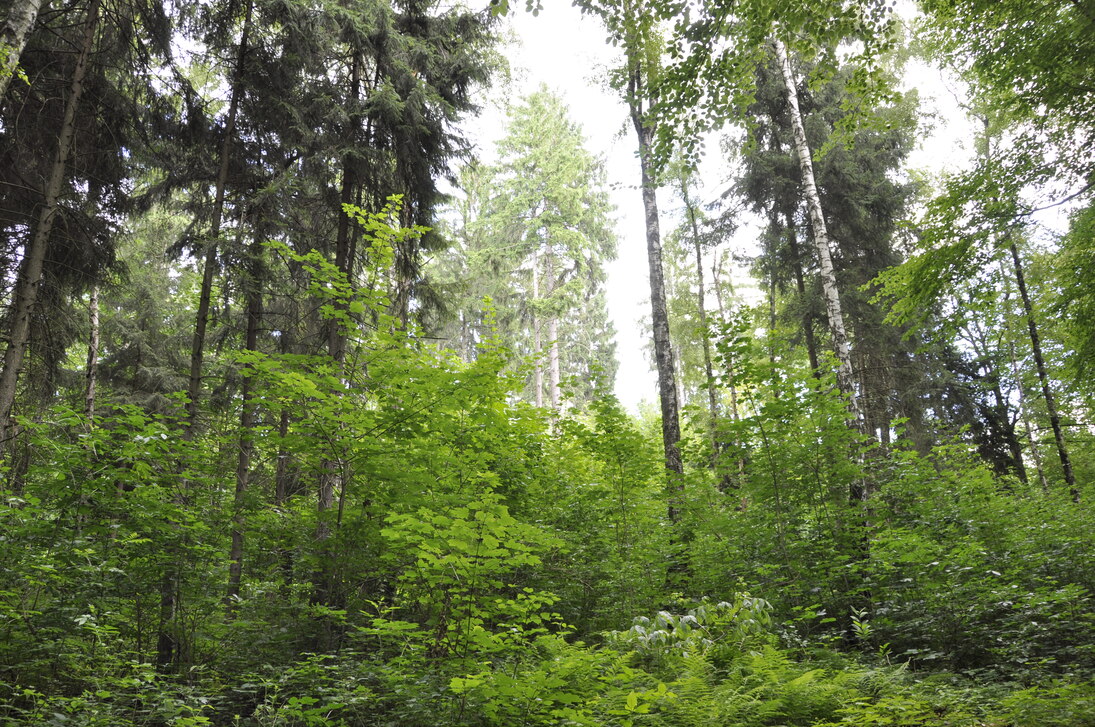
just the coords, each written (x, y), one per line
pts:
(247, 428)
(92, 369)
(1024, 413)
(800, 285)
(663, 350)
(29, 278)
(735, 416)
(705, 333)
(13, 38)
(333, 474)
(1043, 377)
(201, 321)
(554, 391)
(829, 287)
(169, 647)
(537, 344)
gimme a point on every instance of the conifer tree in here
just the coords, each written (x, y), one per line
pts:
(550, 211)
(69, 141)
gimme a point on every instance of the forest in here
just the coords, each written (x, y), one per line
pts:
(308, 410)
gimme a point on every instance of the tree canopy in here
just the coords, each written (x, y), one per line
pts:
(309, 409)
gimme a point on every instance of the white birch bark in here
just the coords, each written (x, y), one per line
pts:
(829, 287)
(13, 38)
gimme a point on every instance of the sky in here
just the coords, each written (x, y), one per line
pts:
(567, 52)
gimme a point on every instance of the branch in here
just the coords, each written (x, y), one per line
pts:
(1087, 187)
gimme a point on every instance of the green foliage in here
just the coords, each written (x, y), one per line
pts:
(1057, 705)
(534, 234)
(472, 560)
(456, 564)
(1075, 269)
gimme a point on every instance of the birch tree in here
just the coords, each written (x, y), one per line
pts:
(829, 288)
(13, 38)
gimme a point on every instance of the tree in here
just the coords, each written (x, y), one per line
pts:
(691, 229)
(1029, 63)
(829, 288)
(971, 225)
(29, 278)
(13, 37)
(550, 211)
(633, 25)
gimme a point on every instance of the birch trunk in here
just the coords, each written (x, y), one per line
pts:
(29, 278)
(830, 290)
(13, 38)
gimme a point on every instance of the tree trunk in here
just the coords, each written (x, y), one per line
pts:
(705, 333)
(201, 321)
(336, 340)
(553, 334)
(829, 288)
(1043, 378)
(663, 351)
(333, 474)
(92, 355)
(735, 416)
(1024, 412)
(13, 38)
(247, 426)
(800, 285)
(168, 646)
(29, 278)
(537, 344)
(1001, 411)
(772, 319)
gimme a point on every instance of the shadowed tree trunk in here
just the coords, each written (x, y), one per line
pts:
(201, 320)
(800, 285)
(333, 473)
(92, 355)
(701, 309)
(169, 646)
(554, 393)
(29, 278)
(1024, 412)
(1043, 377)
(247, 426)
(1036, 348)
(537, 343)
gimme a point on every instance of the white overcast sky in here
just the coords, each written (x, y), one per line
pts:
(567, 51)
